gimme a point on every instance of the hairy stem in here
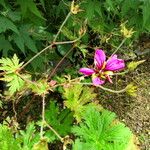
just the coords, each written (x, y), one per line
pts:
(119, 46)
(121, 73)
(106, 89)
(67, 17)
(43, 116)
(39, 53)
(50, 46)
(52, 73)
(54, 131)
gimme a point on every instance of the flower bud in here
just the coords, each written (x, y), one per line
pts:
(133, 65)
(75, 8)
(131, 90)
(126, 32)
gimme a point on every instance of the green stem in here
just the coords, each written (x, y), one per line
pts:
(118, 47)
(52, 73)
(50, 46)
(43, 116)
(62, 26)
(39, 53)
(54, 131)
(121, 73)
(106, 89)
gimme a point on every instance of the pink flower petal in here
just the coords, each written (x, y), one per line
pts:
(99, 58)
(109, 79)
(114, 64)
(97, 81)
(87, 71)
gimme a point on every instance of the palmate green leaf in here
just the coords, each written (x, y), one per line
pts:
(39, 87)
(6, 24)
(60, 120)
(7, 140)
(76, 99)
(5, 45)
(29, 5)
(14, 15)
(146, 14)
(41, 145)
(24, 39)
(18, 39)
(92, 8)
(100, 131)
(15, 83)
(28, 137)
(10, 65)
(2, 2)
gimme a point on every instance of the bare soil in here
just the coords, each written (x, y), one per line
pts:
(134, 111)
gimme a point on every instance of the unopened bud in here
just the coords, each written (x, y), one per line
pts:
(126, 32)
(133, 65)
(75, 8)
(131, 90)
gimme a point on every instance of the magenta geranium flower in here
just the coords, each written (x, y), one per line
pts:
(103, 70)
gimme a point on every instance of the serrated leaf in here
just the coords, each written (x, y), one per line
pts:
(14, 15)
(100, 131)
(76, 98)
(24, 39)
(29, 5)
(15, 84)
(10, 65)
(19, 42)
(41, 145)
(7, 139)
(92, 7)
(39, 87)
(146, 12)
(29, 42)
(29, 136)
(61, 121)
(5, 45)
(6, 24)
(14, 81)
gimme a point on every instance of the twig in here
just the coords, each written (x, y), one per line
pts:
(43, 116)
(48, 47)
(67, 42)
(55, 132)
(106, 89)
(28, 81)
(62, 26)
(14, 110)
(39, 53)
(121, 73)
(26, 109)
(52, 73)
(2, 73)
(118, 47)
